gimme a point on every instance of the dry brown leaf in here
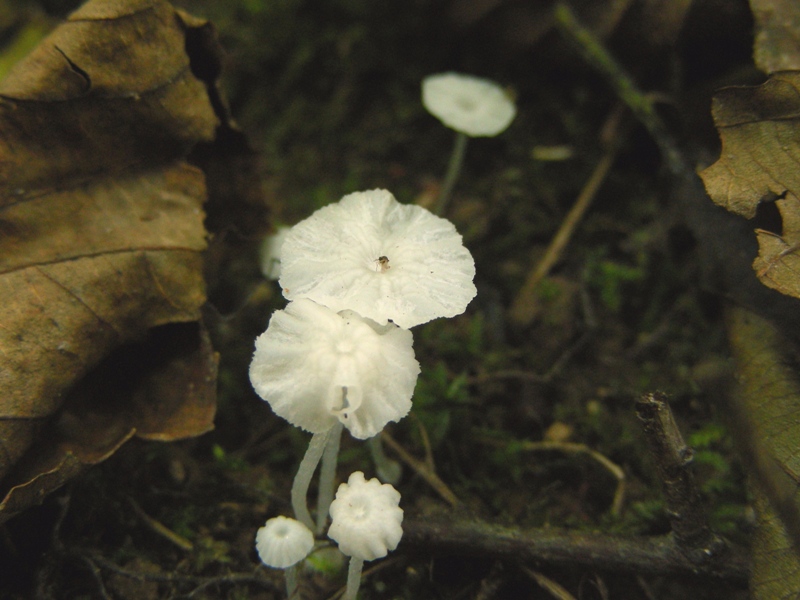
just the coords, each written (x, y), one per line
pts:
(160, 389)
(776, 566)
(778, 262)
(760, 160)
(763, 414)
(101, 235)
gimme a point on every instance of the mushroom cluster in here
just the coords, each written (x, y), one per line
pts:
(358, 274)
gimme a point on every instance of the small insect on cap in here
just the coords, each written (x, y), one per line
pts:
(366, 518)
(471, 105)
(283, 542)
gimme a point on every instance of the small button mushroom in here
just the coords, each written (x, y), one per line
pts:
(281, 544)
(366, 522)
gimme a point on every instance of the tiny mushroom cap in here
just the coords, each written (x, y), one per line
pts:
(471, 105)
(366, 518)
(315, 366)
(283, 542)
(380, 258)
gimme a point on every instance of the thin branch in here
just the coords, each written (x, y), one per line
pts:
(524, 308)
(229, 579)
(590, 322)
(98, 577)
(642, 105)
(673, 459)
(422, 470)
(601, 552)
(575, 448)
(572, 448)
(426, 442)
(160, 529)
(552, 587)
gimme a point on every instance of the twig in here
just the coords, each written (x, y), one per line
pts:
(229, 579)
(489, 587)
(426, 443)
(607, 463)
(523, 309)
(564, 358)
(422, 470)
(599, 585)
(590, 323)
(649, 595)
(641, 105)
(638, 555)
(574, 448)
(159, 528)
(98, 577)
(555, 589)
(673, 460)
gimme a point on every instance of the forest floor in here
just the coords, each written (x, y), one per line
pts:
(526, 424)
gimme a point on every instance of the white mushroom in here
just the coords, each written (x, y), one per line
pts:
(366, 522)
(320, 370)
(281, 544)
(316, 367)
(473, 107)
(380, 258)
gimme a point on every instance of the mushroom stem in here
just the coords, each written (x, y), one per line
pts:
(388, 470)
(327, 474)
(353, 578)
(453, 170)
(291, 579)
(304, 474)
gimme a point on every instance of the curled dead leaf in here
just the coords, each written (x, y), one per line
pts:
(101, 241)
(760, 162)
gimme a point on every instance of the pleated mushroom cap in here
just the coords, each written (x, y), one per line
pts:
(366, 518)
(384, 260)
(471, 105)
(283, 542)
(315, 366)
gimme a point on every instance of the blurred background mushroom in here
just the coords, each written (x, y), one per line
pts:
(473, 107)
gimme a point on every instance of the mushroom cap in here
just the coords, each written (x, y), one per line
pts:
(315, 366)
(383, 259)
(471, 105)
(283, 542)
(366, 519)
